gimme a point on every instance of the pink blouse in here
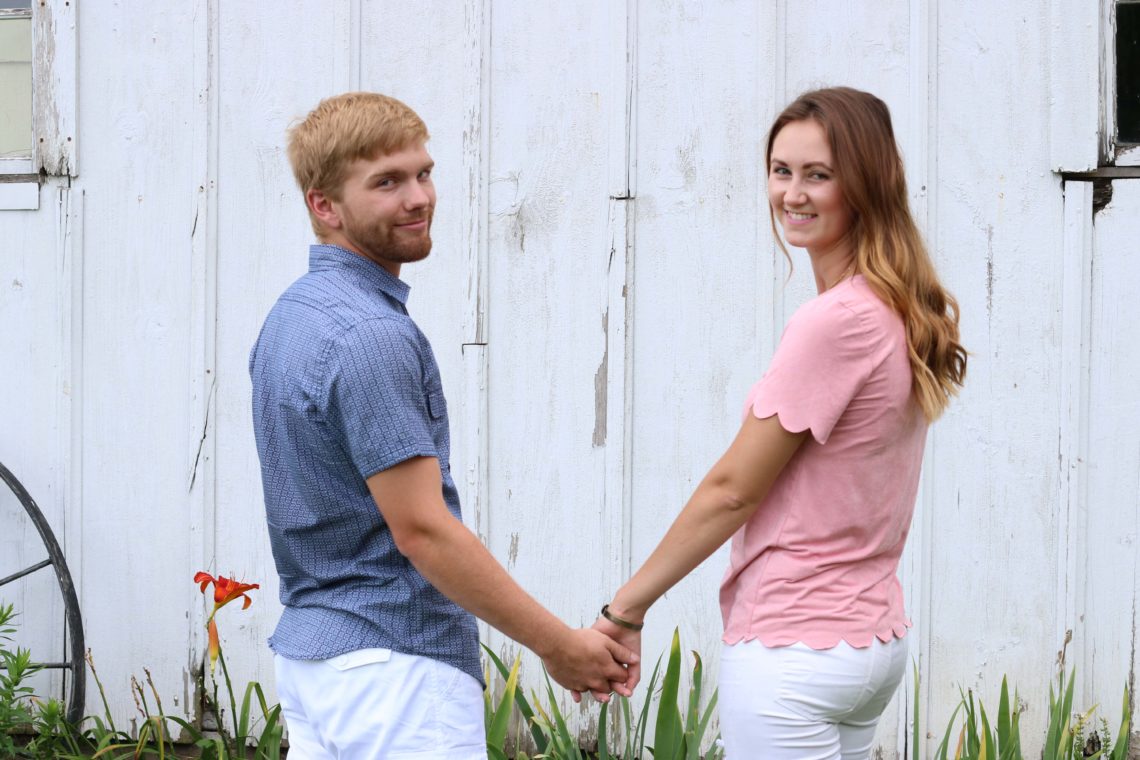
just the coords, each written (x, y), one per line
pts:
(816, 563)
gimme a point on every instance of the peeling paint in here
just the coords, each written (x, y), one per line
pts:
(601, 383)
(989, 269)
(513, 551)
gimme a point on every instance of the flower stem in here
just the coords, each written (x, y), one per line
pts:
(239, 741)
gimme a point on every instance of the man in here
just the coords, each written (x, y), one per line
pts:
(376, 650)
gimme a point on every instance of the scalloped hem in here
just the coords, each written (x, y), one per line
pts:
(861, 641)
(793, 426)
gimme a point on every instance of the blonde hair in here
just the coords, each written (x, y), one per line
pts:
(889, 251)
(342, 129)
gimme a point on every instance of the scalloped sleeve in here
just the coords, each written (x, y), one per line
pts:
(821, 363)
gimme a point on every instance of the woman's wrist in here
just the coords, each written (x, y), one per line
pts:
(622, 608)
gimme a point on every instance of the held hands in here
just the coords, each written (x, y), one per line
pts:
(589, 660)
(628, 639)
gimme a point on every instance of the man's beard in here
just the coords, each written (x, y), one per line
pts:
(383, 241)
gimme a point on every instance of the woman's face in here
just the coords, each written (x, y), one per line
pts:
(804, 192)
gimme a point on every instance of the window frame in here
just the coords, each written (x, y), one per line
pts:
(1113, 153)
(54, 75)
(11, 165)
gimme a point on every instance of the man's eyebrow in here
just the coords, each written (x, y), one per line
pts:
(394, 172)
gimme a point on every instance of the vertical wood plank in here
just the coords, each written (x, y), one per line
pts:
(1072, 516)
(1074, 85)
(34, 297)
(136, 374)
(1109, 567)
(549, 249)
(472, 420)
(703, 289)
(915, 569)
(262, 240)
(201, 433)
(998, 242)
(55, 71)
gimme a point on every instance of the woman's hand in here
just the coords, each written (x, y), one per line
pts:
(631, 640)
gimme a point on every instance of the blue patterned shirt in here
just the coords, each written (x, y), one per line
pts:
(344, 386)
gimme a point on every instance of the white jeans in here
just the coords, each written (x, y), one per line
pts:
(798, 703)
(375, 703)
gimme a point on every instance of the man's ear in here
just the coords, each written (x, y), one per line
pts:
(323, 209)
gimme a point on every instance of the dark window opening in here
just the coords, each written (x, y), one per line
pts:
(1128, 72)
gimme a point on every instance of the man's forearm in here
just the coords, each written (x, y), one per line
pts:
(453, 560)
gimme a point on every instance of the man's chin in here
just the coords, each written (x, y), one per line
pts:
(409, 252)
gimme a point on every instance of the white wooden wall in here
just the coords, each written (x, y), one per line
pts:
(602, 292)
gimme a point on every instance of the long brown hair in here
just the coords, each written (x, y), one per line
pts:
(889, 251)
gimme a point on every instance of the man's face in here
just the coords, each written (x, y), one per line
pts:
(386, 208)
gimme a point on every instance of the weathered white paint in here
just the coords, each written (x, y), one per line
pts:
(54, 88)
(19, 196)
(603, 291)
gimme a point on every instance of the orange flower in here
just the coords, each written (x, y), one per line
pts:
(215, 647)
(225, 590)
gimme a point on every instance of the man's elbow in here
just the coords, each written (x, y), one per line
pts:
(415, 539)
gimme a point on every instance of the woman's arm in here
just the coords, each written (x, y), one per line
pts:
(723, 501)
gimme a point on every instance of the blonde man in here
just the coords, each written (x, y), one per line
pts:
(376, 650)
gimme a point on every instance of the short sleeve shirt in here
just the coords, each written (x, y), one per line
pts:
(344, 386)
(817, 561)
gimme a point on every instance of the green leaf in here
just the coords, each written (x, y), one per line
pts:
(1120, 747)
(668, 736)
(603, 732)
(915, 740)
(500, 718)
(1004, 717)
(540, 739)
(944, 745)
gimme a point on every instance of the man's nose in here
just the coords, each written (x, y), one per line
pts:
(417, 196)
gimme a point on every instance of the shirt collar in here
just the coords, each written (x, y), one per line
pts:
(325, 256)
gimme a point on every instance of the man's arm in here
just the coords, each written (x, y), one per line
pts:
(451, 557)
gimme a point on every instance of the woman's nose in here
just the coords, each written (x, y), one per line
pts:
(794, 194)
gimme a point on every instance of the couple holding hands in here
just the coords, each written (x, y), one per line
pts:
(376, 651)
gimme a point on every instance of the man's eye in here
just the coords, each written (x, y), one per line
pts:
(425, 174)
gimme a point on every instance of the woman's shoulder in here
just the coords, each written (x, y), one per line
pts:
(849, 312)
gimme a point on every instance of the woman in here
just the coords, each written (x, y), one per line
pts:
(818, 488)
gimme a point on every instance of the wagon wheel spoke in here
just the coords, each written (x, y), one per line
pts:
(73, 617)
(26, 571)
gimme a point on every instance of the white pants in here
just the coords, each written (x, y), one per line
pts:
(798, 703)
(375, 703)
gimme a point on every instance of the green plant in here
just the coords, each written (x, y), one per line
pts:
(676, 735)
(1067, 737)
(259, 734)
(53, 738)
(15, 695)
(978, 739)
(497, 717)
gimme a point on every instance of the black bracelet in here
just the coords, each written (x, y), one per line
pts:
(619, 621)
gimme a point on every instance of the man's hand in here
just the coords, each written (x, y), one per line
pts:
(630, 640)
(587, 660)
